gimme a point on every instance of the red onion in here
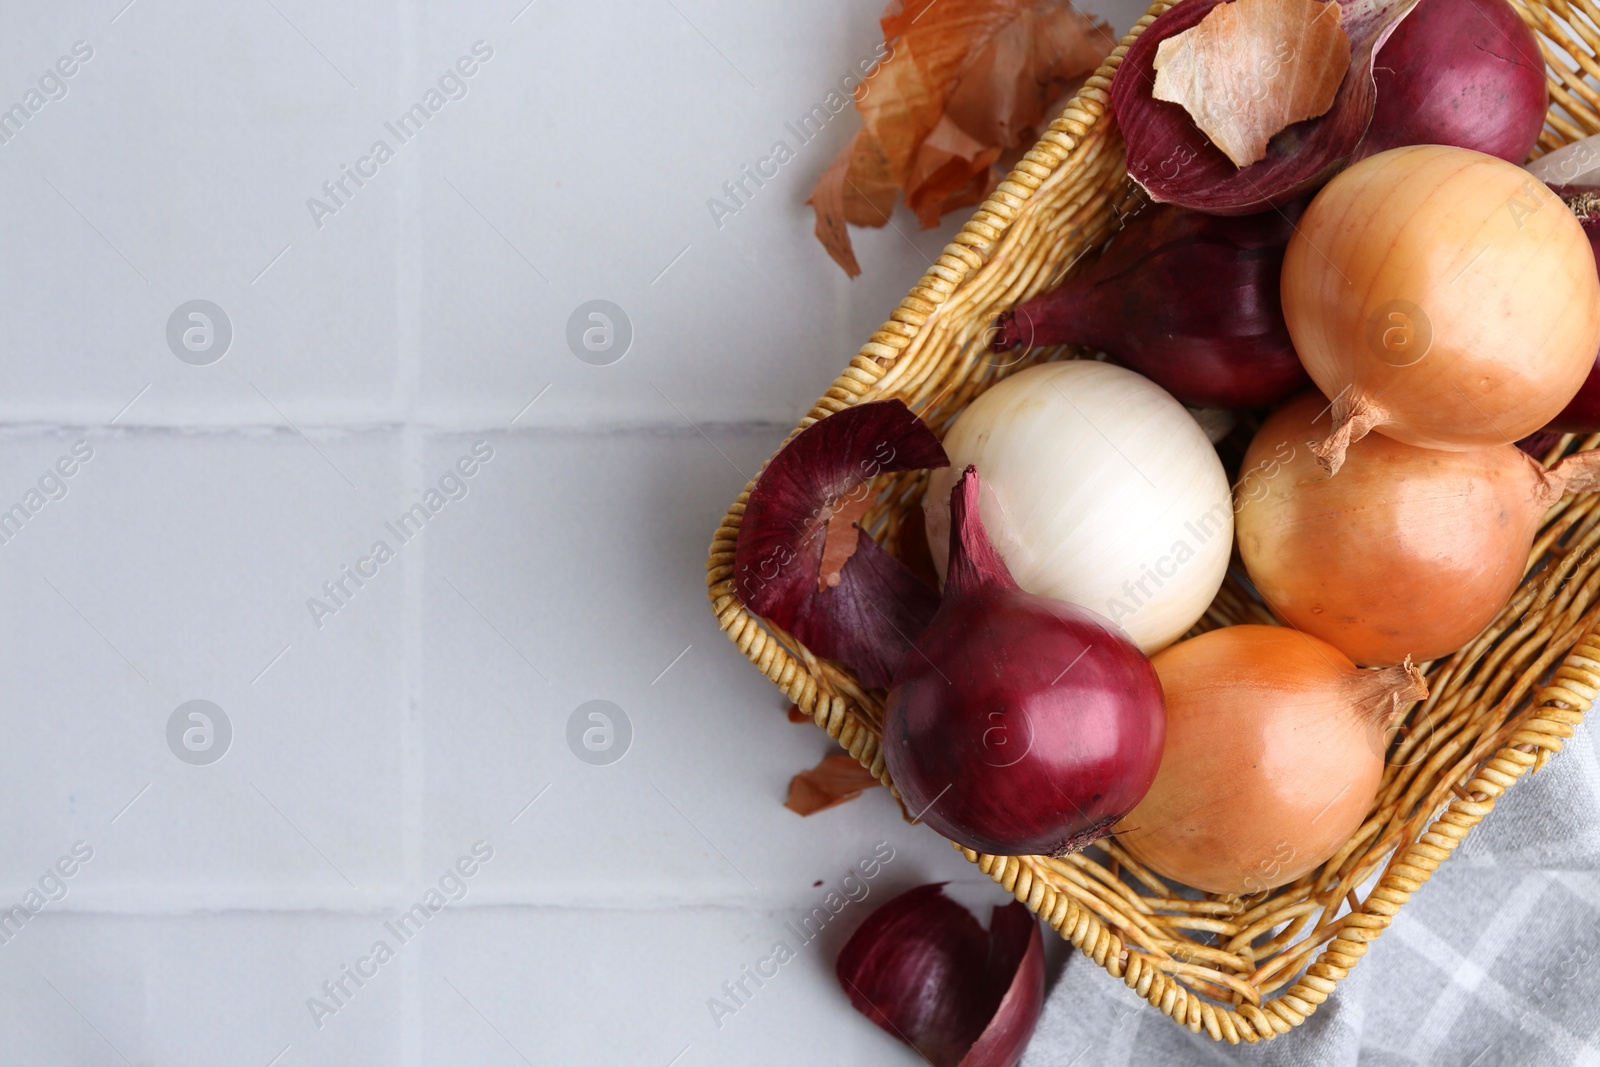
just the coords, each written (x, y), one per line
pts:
(1536, 444)
(1019, 724)
(1176, 163)
(923, 969)
(803, 563)
(1188, 300)
(1582, 413)
(1466, 73)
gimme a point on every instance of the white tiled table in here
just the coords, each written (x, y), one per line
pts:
(373, 746)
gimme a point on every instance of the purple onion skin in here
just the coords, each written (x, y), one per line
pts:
(1188, 300)
(922, 968)
(1006, 1038)
(866, 621)
(1466, 73)
(1019, 724)
(1539, 442)
(1582, 413)
(1173, 161)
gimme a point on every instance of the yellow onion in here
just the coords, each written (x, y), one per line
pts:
(1443, 297)
(1274, 752)
(1408, 551)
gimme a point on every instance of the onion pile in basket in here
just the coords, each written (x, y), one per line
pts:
(1356, 265)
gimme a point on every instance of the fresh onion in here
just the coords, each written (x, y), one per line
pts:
(1408, 551)
(1188, 300)
(1275, 749)
(1459, 72)
(1019, 724)
(922, 968)
(1582, 413)
(1443, 297)
(1099, 489)
(1176, 163)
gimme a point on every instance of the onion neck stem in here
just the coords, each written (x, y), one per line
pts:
(1067, 314)
(974, 562)
(1379, 696)
(1354, 416)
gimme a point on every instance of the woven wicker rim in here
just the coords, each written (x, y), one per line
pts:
(1486, 725)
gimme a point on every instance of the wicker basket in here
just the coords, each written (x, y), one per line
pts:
(1499, 708)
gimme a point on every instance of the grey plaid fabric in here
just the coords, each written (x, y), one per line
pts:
(1495, 962)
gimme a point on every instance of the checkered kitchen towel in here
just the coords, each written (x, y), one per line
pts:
(1495, 962)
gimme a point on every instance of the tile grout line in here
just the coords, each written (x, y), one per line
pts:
(410, 296)
(379, 903)
(654, 426)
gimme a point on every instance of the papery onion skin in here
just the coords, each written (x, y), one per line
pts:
(921, 968)
(1406, 551)
(1188, 300)
(1443, 297)
(1006, 1038)
(1466, 73)
(1099, 489)
(874, 606)
(1275, 750)
(1019, 724)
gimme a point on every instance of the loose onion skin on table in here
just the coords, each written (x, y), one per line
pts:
(1407, 551)
(923, 968)
(1275, 748)
(1443, 297)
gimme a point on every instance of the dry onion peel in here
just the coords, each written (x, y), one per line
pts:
(962, 86)
(1214, 70)
(1575, 166)
(1177, 163)
(800, 559)
(922, 968)
(836, 779)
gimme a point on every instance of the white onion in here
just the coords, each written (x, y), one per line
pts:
(1099, 489)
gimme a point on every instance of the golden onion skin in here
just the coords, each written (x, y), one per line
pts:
(1443, 297)
(1274, 753)
(1406, 551)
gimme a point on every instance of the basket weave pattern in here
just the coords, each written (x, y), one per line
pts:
(1502, 706)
